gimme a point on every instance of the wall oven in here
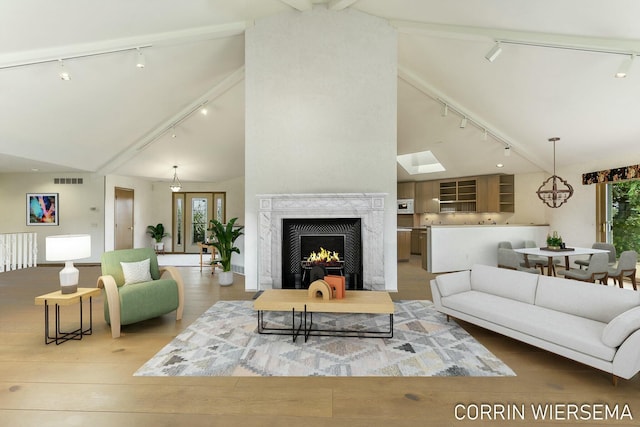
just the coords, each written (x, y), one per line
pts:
(405, 206)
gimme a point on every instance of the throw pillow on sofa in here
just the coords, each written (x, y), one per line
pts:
(136, 272)
(621, 327)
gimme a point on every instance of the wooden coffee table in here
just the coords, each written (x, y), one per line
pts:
(297, 300)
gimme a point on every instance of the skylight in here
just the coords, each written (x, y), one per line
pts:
(422, 162)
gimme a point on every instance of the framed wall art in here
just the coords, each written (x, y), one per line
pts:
(42, 209)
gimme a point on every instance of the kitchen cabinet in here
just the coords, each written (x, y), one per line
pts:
(406, 190)
(404, 245)
(458, 195)
(495, 193)
(426, 200)
(416, 248)
(486, 193)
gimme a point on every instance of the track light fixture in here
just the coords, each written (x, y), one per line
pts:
(175, 184)
(141, 61)
(463, 123)
(494, 52)
(445, 110)
(622, 71)
(63, 72)
(507, 151)
(68, 57)
(624, 67)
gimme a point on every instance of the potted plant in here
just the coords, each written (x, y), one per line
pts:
(223, 237)
(554, 241)
(157, 233)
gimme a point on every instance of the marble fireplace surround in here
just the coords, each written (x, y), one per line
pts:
(273, 208)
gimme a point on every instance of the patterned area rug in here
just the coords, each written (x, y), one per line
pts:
(224, 342)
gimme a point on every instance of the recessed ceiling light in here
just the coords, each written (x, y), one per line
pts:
(499, 165)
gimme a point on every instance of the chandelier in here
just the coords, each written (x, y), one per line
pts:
(175, 184)
(554, 191)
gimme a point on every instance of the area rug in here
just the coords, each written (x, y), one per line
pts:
(224, 342)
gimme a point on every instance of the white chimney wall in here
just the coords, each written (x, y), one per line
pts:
(321, 115)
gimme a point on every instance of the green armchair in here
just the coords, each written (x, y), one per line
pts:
(149, 293)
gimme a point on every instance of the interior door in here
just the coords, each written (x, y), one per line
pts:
(123, 218)
(199, 209)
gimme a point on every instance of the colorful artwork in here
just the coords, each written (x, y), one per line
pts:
(42, 209)
(611, 175)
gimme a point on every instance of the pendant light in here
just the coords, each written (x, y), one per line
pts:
(175, 184)
(554, 191)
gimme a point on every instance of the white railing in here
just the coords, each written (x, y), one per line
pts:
(18, 250)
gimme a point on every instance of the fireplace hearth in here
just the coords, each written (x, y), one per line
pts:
(334, 244)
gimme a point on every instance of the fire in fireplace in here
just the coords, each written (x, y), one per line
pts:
(334, 244)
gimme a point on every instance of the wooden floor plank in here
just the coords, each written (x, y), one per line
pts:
(91, 382)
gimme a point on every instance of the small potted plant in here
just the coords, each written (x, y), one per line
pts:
(554, 241)
(223, 236)
(157, 233)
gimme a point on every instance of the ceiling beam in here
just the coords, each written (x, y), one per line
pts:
(563, 41)
(154, 134)
(417, 82)
(301, 5)
(340, 4)
(22, 58)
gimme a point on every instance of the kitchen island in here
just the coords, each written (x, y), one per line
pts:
(459, 247)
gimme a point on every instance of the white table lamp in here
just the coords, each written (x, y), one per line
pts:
(67, 248)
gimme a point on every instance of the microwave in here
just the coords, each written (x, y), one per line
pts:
(405, 206)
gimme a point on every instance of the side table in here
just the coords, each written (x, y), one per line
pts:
(58, 298)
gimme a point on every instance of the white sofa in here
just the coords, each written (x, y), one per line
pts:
(593, 324)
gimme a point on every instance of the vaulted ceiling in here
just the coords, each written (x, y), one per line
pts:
(554, 77)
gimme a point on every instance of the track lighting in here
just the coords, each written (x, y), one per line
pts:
(140, 59)
(624, 67)
(485, 134)
(445, 110)
(173, 132)
(507, 151)
(463, 123)
(494, 52)
(63, 73)
(204, 111)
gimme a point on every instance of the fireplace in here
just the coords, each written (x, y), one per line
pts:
(366, 207)
(335, 244)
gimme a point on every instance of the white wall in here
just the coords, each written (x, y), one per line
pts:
(529, 208)
(321, 106)
(80, 207)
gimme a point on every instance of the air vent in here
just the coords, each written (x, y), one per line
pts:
(67, 180)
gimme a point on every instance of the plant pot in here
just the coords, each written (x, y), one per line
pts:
(225, 278)
(159, 246)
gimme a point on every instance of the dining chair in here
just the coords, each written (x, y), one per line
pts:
(626, 268)
(509, 259)
(535, 260)
(597, 270)
(604, 246)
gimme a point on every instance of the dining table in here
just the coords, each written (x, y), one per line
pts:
(553, 253)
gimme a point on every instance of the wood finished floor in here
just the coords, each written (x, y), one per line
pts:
(91, 382)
